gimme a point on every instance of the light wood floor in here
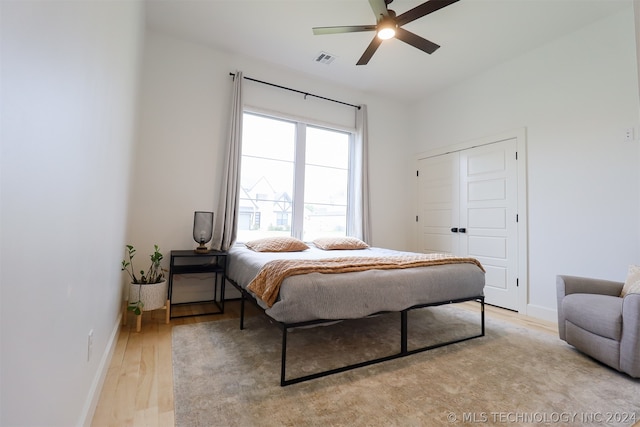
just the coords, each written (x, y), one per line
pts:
(138, 389)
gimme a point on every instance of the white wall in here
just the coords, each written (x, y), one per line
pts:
(69, 80)
(186, 90)
(68, 116)
(575, 96)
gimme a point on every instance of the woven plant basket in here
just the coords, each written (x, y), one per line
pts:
(153, 296)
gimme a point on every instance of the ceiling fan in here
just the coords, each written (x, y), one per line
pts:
(389, 25)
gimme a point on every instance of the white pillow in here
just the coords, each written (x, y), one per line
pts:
(632, 284)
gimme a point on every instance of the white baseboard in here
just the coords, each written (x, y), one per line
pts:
(93, 397)
(543, 313)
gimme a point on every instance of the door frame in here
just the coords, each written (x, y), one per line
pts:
(520, 135)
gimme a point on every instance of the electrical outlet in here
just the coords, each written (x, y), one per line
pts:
(629, 135)
(90, 345)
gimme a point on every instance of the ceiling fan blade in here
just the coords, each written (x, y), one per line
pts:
(343, 29)
(422, 10)
(416, 41)
(371, 49)
(379, 8)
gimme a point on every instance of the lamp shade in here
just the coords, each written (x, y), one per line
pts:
(202, 228)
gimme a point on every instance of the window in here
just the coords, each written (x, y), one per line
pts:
(294, 179)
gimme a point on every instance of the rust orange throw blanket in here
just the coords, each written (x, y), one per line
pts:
(266, 284)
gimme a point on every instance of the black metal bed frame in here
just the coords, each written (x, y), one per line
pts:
(404, 351)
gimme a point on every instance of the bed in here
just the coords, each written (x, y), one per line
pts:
(315, 298)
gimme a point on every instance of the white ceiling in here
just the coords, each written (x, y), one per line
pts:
(474, 35)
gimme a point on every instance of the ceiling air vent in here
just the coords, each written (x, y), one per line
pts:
(324, 58)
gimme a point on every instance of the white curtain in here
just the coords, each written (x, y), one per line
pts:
(359, 222)
(225, 231)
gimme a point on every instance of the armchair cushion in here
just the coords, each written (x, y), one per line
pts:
(568, 285)
(599, 314)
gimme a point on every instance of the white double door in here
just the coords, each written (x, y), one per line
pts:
(467, 206)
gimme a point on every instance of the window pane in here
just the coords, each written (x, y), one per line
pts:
(266, 176)
(324, 221)
(327, 147)
(266, 183)
(326, 183)
(268, 138)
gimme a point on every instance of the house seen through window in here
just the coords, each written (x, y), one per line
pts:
(294, 179)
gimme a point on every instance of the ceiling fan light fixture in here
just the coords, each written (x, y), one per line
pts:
(386, 33)
(386, 27)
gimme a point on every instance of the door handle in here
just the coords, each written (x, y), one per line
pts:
(454, 230)
(462, 230)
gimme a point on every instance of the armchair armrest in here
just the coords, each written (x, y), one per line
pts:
(630, 341)
(566, 285)
(587, 285)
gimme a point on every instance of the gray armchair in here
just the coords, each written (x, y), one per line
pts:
(595, 320)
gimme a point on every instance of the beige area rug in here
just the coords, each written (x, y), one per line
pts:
(227, 377)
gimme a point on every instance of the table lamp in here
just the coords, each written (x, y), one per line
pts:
(202, 230)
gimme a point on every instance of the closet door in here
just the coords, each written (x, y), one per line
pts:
(439, 203)
(488, 211)
(468, 207)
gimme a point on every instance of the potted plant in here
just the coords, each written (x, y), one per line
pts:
(149, 288)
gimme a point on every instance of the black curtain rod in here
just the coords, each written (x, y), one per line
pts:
(298, 91)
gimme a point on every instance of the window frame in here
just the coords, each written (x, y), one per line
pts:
(301, 124)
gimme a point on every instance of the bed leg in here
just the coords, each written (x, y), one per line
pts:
(403, 332)
(283, 362)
